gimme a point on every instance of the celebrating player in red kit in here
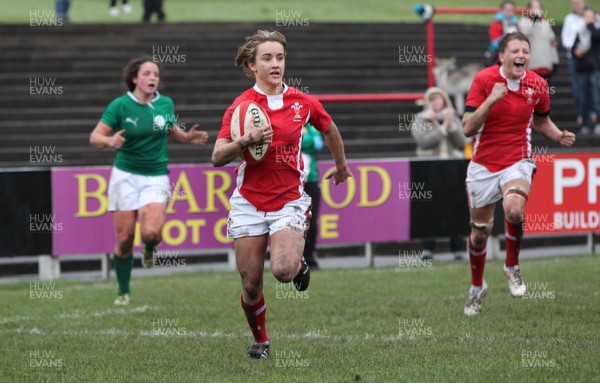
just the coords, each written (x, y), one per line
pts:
(504, 103)
(270, 198)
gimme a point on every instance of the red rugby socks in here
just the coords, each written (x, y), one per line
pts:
(256, 315)
(477, 259)
(514, 237)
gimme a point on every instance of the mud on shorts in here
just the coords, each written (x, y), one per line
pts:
(246, 221)
(484, 186)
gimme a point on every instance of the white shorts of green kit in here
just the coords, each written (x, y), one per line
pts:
(128, 191)
(484, 187)
(246, 221)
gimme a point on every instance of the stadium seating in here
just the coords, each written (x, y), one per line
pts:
(85, 61)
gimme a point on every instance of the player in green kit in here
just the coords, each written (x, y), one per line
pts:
(138, 125)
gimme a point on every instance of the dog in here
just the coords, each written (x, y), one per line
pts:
(455, 81)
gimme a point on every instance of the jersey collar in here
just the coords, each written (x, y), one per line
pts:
(275, 101)
(132, 96)
(512, 84)
(258, 90)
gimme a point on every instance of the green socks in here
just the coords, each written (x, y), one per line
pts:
(123, 268)
(148, 247)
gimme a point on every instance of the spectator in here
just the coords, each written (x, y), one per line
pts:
(506, 22)
(572, 26)
(587, 52)
(153, 6)
(312, 142)
(114, 10)
(62, 11)
(543, 55)
(438, 133)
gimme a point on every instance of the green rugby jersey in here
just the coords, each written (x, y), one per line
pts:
(146, 132)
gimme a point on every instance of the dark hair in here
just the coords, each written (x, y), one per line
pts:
(247, 52)
(133, 67)
(509, 37)
(507, 2)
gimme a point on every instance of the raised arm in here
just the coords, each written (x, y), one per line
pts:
(548, 129)
(473, 121)
(333, 139)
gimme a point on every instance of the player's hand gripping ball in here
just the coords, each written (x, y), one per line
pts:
(246, 117)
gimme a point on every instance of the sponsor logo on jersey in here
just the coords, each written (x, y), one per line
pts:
(132, 121)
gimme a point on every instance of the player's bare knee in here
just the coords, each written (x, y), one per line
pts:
(151, 236)
(124, 252)
(284, 272)
(514, 205)
(253, 292)
(513, 210)
(480, 232)
(514, 215)
(125, 243)
(479, 238)
(251, 286)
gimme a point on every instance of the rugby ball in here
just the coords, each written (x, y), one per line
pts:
(249, 115)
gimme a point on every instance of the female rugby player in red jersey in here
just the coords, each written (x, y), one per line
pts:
(269, 199)
(503, 105)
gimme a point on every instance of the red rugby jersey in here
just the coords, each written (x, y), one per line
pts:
(279, 177)
(505, 136)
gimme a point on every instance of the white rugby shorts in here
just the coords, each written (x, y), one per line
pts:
(128, 191)
(246, 221)
(484, 186)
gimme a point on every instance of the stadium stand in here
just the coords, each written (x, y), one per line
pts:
(85, 61)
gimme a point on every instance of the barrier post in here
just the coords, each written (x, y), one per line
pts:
(369, 254)
(105, 266)
(231, 259)
(493, 247)
(49, 268)
(430, 52)
(591, 243)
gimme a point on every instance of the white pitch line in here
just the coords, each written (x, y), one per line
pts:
(205, 334)
(311, 335)
(82, 314)
(15, 319)
(133, 310)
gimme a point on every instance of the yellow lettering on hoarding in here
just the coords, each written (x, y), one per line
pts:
(181, 235)
(212, 191)
(328, 226)
(84, 195)
(137, 238)
(195, 225)
(386, 187)
(188, 195)
(350, 192)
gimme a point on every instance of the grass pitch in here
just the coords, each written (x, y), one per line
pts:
(386, 325)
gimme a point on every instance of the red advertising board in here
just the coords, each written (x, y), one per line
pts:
(564, 196)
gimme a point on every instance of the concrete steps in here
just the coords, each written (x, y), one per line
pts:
(85, 61)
